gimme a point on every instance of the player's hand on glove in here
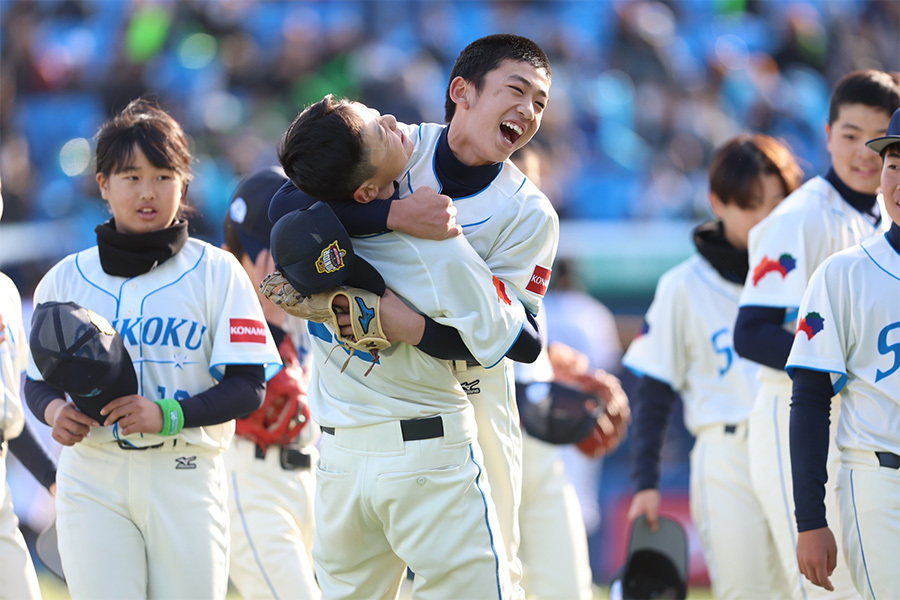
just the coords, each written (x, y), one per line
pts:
(613, 421)
(70, 425)
(424, 214)
(134, 414)
(315, 308)
(817, 556)
(646, 502)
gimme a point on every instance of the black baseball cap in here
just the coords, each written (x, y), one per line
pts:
(313, 251)
(248, 211)
(657, 563)
(892, 136)
(79, 352)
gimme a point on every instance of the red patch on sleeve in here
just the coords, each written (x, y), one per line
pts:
(247, 330)
(540, 279)
(502, 296)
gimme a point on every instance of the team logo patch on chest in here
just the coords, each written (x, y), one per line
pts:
(540, 279)
(247, 330)
(784, 265)
(331, 259)
(811, 324)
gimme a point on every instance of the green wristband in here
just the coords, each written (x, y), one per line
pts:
(173, 416)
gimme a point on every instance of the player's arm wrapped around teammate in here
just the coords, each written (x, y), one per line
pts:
(363, 307)
(593, 414)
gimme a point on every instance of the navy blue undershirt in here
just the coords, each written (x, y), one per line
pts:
(759, 334)
(652, 403)
(34, 456)
(809, 433)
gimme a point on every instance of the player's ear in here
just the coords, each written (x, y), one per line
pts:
(103, 184)
(459, 91)
(366, 192)
(716, 204)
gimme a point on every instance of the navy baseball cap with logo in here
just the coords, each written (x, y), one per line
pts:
(891, 137)
(78, 351)
(313, 251)
(248, 212)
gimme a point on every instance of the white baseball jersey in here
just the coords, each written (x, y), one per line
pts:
(687, 343)
(515, 230)
(849, 326)
(510, 224)
(182, 323)
(407, 383)
(810, 225)
(166, 507)
(785, 248)
(13, 359)
(19, 579)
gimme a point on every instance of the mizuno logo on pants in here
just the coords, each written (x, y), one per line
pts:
(185, 462)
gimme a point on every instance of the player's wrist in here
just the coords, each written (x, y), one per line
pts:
(172, 416)
(51, 413)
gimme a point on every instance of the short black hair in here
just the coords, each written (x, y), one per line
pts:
(869, 87)
(323, 153)
(485, 54)
(153, 130)
(737, 166)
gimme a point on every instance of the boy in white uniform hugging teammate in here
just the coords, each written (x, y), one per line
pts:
(497, 93)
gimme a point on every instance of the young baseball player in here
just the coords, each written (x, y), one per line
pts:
(498, 90)
(18, 579)
(848, 343)
(142, 501)
(825, 215)
(685, 347)
(269, 462)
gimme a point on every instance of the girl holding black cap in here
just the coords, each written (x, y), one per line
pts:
(141, 500)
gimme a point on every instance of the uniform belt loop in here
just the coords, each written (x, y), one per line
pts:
(888, 459)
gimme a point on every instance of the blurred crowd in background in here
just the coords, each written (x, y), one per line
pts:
(643, 92)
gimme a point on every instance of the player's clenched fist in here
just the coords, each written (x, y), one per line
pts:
(817, 556)
(424, 214)
(135, 414)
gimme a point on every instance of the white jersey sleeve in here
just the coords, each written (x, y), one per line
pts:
(239, 330)
(786, 247)
(13, 358)
(447, 281)
(660, 349)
